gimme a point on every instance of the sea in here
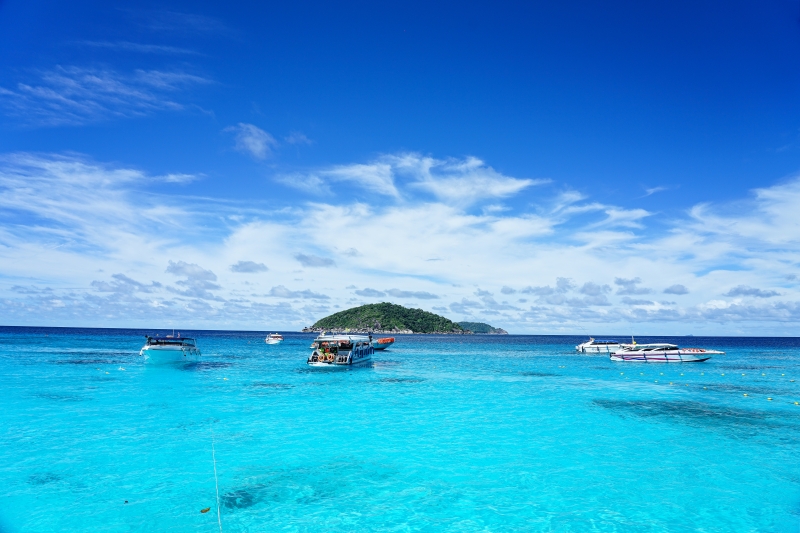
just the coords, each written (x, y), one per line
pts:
(441, 433)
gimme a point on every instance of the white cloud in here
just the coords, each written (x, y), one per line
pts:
(676, 289)
(248, 267)
(744, 290)
(460, 182)
(252, 140)
(630, 286)
(314, 261)
(65, 218)
(421, 295)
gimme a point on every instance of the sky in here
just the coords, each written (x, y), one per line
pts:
(545, 167)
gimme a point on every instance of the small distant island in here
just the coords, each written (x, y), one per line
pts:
(390, 318)
(482, 328)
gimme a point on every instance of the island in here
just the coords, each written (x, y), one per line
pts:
(389, 318)
(482, 328)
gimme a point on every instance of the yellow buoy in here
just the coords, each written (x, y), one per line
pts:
(722, 374)
(763, 374)
(702, 373)
(769, 399)
(745, 394)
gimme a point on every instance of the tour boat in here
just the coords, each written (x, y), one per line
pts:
(334, 351)
(382, 344)
(274, 338)
(170, 349)
(663, 353)
(600, 346)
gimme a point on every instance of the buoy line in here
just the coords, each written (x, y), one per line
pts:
(216, 482)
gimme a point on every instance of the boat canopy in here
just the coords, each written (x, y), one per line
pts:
(342, 338)
(170, 341)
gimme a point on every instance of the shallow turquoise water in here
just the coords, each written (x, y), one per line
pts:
(441, 434)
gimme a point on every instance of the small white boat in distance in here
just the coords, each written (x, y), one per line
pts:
(600, 346)
(382, 344)
(170, 349)
(333, 351)
(663, 353)
(274, 338)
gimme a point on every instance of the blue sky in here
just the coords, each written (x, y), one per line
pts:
(605, 167)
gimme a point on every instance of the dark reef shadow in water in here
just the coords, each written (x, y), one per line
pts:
(401, 380)
(43, 478)
(733, 420)
(205, 366)
(309, 486)
(538, 374)
(60, 397)
(266, 385)
(90, 362)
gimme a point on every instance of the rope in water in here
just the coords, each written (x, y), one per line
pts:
(216, 482)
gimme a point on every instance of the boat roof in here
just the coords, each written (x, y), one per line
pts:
(342, 337)
(607, 341)
(654, 345)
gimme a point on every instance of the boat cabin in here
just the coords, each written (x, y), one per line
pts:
(341, 349)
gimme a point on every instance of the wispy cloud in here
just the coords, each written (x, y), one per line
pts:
(75, 95)
(297, 138)
(460, 182)
(138, 47)
(282, 292)
(252, 140)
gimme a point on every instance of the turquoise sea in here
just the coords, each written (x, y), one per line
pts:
(442, 433)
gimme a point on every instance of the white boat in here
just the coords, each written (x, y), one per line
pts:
(274, 338)
(600, 346)
(663, 353)
(170, 349)
(332, 351)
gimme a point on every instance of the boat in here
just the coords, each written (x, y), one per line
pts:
(382, 344)
(274, 338)
(600, 346)
(663, 353)
(338, 351)
(170, 349)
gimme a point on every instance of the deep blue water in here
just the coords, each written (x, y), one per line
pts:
(480, 433)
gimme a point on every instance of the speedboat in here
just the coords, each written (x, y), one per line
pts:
(600, 346)
(382, 344)
(170, 349)
(663, 353)
(332, 351)
(274, 338)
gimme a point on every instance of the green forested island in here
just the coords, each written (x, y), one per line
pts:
(482, 327)
(387, 318)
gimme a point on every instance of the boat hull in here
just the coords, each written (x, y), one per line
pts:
(159, 355)
(273, 341)
(663, 357)
(363, 361)
(377, 345)
(599, 349)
